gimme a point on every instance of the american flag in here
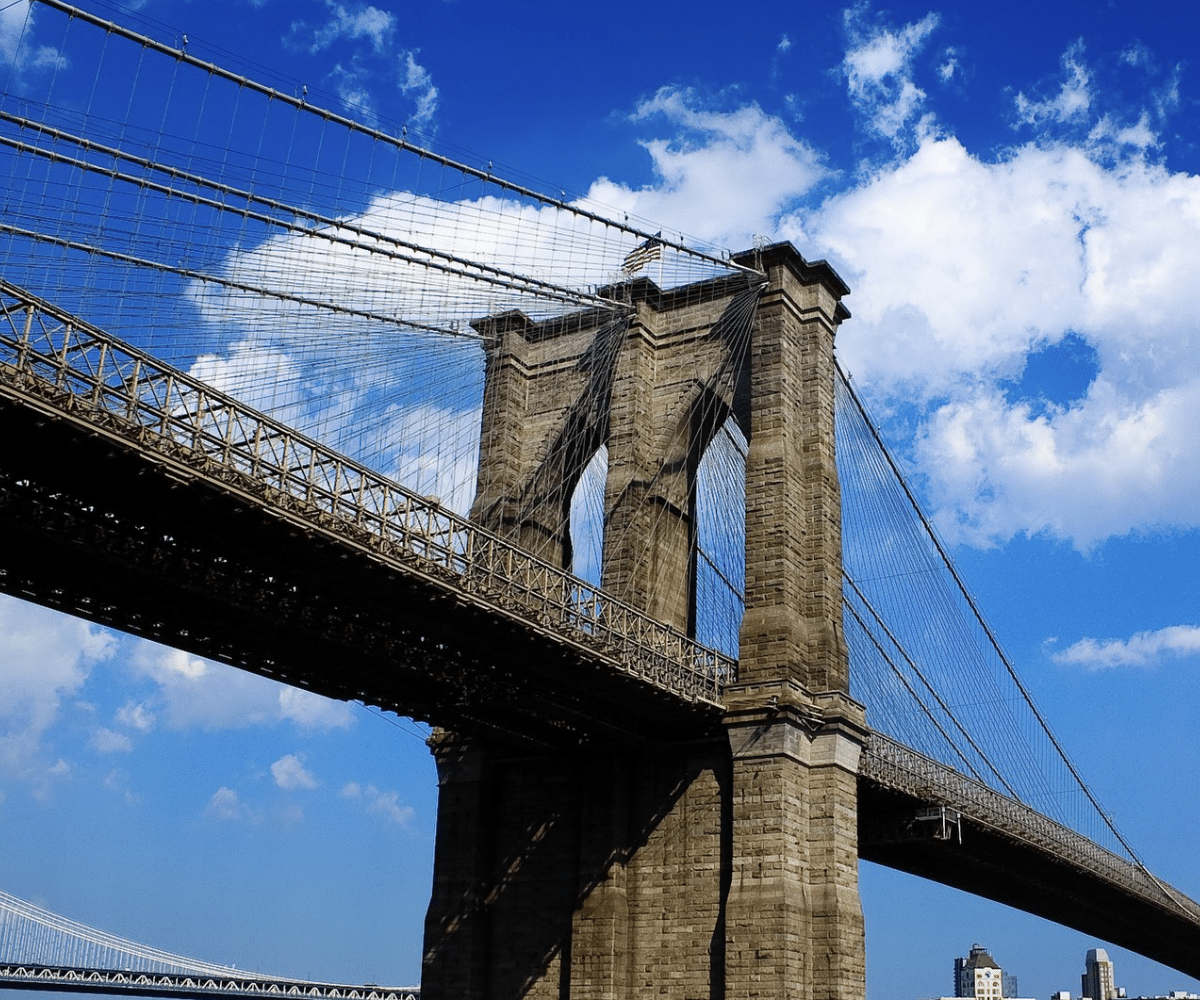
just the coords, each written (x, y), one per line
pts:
(642, 254)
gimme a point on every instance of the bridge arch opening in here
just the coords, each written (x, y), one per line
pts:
(719, 548)
(586, 518)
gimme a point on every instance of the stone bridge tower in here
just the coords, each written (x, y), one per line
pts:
(725, 865)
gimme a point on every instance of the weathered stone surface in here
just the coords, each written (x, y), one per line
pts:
(724, 867)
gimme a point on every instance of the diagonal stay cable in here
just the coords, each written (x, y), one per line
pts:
(443, 262)
(892, 638)
(994, 642)
(186, 272)
(301, 104)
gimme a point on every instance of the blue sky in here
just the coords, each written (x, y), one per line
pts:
(1011, 192)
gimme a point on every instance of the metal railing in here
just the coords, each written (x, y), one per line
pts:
(895, 766)
(84, 374)
(66, 979)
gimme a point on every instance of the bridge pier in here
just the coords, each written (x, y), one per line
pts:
(589, 877)
(723, 866)
(794, 920)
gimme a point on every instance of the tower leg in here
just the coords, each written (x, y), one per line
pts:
(794, 919)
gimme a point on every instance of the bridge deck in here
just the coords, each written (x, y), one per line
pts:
(135, 497)
(178, 512)
(59, 979)
(1004, 850)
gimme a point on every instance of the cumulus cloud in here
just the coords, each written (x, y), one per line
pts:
(45, 658)
(879, 71)
(290, 773)
(417, 83)
(1143, 649)
(723, 175)
(198, 693)
(961, 267)
(136, 715)
(105, 740)
(1085, 472)
(1072, 101)
(355, 21)
(313, 711)
(17, 48)
(226, 807)
(385, 805)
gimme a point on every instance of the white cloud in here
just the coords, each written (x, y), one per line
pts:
(313, 711)
(350, 84)
(379, 803)
(352, 77)
(948, 68)
(723, 175)
(1085, 473)
(1073, 100)
(354, 21)
(226, 807)
(1139, 135)
(416, 82)
(17, 47)
(195, 693)
(1143, 649)
(1137, 54)
(785, 43)
(136, 715)
(106, 740)
(878, 70)
(1166, 98)
(290, 773)
(45, 657)
(960, 268)
(118, 783)
(198, 693)
(14, 19)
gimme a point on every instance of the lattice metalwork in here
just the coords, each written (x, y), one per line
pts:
(22, 976)
(41, 950)
(76, 370)
(894, 766)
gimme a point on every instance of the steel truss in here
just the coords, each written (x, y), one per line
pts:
(77, 371)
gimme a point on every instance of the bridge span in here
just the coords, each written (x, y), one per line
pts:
(449, 623)
(44, 951)
(67, 979)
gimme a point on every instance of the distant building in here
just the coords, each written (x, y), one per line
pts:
(1097, 980)
(978, 975)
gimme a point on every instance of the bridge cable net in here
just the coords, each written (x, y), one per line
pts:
(31, 935)
(933, 675)
(300, 254)
(709, 481)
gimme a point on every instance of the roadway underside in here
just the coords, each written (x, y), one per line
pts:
(92, 526)
(95, 527)
(989, 864)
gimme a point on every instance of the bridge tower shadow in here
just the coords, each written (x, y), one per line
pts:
(720, 863)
